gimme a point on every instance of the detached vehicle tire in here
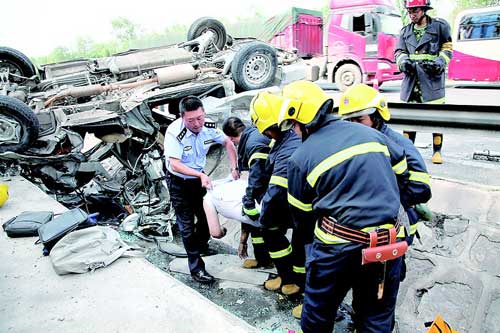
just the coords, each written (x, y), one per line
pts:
(254, 66)
(347, 75)
(19, 126)
(16, 62)
(204, 24)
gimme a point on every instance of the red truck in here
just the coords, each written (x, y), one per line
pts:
(356, 44)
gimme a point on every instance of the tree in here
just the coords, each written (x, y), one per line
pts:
(84, 47)
(124, 29)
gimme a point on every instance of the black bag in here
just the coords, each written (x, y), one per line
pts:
(26, 224)
(50, 233)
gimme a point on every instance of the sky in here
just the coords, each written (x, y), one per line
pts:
(36, 28)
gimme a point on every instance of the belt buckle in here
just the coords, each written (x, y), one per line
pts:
(328, 224)
(332, 221)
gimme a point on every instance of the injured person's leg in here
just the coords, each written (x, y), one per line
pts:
(216, 230)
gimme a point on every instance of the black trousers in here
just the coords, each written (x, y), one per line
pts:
(186, 196)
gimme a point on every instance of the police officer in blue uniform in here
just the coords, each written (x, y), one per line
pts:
(187, 142)
(365, 105)
(275, 216)
(343, 189)
(253, 150)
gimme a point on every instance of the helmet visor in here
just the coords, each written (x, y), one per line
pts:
(359, 113)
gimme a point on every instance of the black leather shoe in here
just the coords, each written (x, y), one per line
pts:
(202, 276)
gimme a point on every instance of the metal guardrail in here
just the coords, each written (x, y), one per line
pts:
(447, 115)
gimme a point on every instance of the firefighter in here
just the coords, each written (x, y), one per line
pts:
(423, 52)
(275, 216)
(365, 105)
(253, 149)
(344, 196)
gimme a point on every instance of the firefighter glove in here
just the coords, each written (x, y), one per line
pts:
(434, 67)
(252, 212)
(408, 66)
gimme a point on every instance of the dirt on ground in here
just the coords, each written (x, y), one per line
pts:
(266, 310)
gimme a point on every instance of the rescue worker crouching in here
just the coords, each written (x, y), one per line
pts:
(343, 193)
(423, 52)
(253, 150)
(275, 214)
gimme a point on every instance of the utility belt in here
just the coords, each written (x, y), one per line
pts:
(182, 179)
(381, 241)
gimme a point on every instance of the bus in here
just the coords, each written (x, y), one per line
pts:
(476, 46)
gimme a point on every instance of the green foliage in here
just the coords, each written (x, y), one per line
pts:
(128, 36)
(124, 29)
(459, 6)
(465, 4)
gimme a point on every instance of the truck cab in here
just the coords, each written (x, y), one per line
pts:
(355, 45)
(360, 40)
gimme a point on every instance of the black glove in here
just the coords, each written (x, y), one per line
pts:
(434, 67)
(408, 66)
(252, 213)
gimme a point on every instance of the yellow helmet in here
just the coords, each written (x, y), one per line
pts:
(309, 98)
(4, 193)
(265, 108)
(360, 100)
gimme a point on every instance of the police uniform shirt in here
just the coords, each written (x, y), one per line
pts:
(190, 148)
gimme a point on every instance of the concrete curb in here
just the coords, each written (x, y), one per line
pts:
(131, 295)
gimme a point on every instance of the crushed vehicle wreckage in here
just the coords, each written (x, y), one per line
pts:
(126, 101)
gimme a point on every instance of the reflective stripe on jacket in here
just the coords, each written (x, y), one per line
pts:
(436, 42)
(346, 171)
(275, 208)
(419, 186)
(253, 150)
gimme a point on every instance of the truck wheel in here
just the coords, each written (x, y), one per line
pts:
(254, 66)
(19, 126)
(16, 63)
(204, 24)
(347, 75)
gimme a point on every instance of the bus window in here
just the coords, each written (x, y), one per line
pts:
(480, 26)
(476, 45)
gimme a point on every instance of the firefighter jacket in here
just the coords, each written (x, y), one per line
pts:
(275, 208)
(419, 186)
(253, 150)
(349, 172)
(434, 45)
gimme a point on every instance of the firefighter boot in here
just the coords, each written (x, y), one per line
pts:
(250, 263)
(297, 311)
(410, 135)
(290, 289)
(273, 284)
(437, 142)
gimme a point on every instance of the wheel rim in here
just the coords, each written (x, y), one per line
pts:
(10, 131)
(257, 68)
(215, 37)
(7, 66)
(348, 78)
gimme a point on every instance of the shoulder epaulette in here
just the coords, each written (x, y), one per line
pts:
(181, 134)
(210, 124)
